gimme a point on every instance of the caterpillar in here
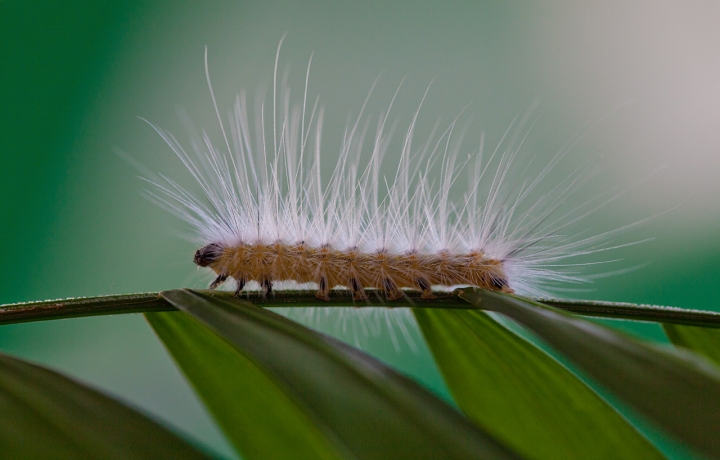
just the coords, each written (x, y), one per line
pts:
(265, 214)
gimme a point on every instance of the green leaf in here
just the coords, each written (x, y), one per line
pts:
(637, 312)
(82, 306)
(151, 302)
(678, 391)
(46, 415)
(698, 339)
(362, 407)
(247, 404)
(522, 395)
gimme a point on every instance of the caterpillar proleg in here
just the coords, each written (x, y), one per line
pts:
(265, 213)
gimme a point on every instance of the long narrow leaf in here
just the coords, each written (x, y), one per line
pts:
(46, 415)
(637, 312)
(678, 391)
(698, 339)
(522, 395)
(152, 301)
(367, 410)
(82, 306)
(258, 417)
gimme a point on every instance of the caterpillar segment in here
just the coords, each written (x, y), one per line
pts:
(329, 267)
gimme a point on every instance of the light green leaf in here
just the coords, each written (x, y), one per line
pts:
(258, 417)
(522, 395)
(44, 415)
(676, 390)
(362, 407)
(702, 340)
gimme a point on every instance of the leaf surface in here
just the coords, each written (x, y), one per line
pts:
(364, 408)
(522, 395)
(46, 415)
(678, 391)
(701, 340)
(247, 404)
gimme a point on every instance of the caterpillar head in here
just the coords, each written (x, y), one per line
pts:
(208, 254)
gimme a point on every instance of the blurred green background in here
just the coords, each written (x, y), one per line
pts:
(75, 76)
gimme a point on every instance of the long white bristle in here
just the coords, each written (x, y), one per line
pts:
(262, 184)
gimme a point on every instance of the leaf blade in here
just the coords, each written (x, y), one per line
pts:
(235, 390)
(371, 410)
(677, 391)
(522, 395)
(698, 339)
(152, 302)
(44, 414)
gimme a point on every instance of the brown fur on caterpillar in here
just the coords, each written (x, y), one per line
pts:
(328, 267)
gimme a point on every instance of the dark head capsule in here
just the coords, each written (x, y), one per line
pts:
(208, 254)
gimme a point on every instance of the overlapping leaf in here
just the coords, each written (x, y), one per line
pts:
(679, 392)
(521, 394)
(253, 412)
(364, 409)
(44, 415)
(705, 341)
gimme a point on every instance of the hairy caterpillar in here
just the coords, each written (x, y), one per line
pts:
(266, 215)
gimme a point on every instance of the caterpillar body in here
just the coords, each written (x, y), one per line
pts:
(265, 214)
(328, 267)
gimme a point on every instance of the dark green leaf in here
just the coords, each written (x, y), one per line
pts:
(258, 417)
(638, 312)
(365, 409)
(151, 302)
(678, 391)
(698, 339)
(82, 306)
(521, 394)
(44, 415)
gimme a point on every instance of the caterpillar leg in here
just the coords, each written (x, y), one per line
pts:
(240, 286)
(424, 286)
(358, 291)
(323, 292)
(218, 281)
(501, 285)
(266, 287)
(391, 290)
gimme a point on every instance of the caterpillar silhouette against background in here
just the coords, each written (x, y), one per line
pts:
(265, 214)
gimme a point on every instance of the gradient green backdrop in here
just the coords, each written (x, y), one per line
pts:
(75, 76)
